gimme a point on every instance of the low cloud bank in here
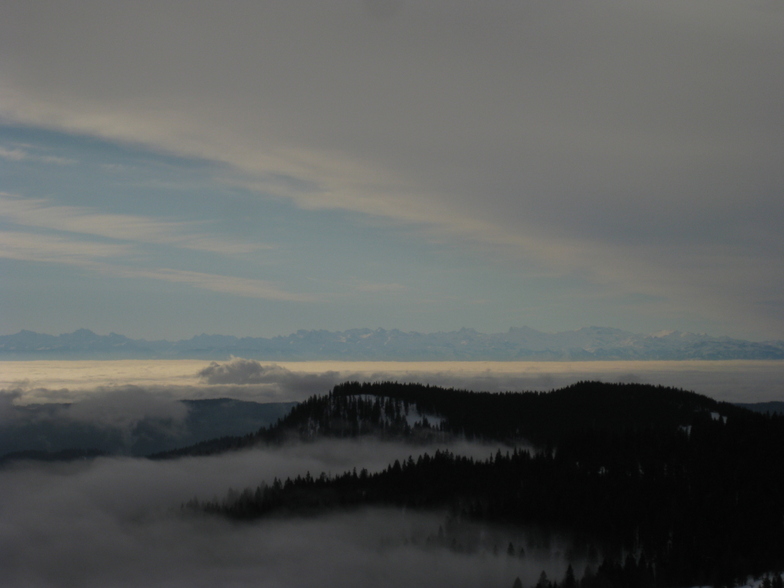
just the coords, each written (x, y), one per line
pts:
(241, 371)
(124, 419)
(293, 384)
(117, 522)
(124, 407)
(8, 411)
(245, 379)
(729, 381)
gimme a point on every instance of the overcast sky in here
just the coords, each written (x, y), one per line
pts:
(253, 168)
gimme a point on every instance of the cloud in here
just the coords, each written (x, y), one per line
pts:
(82, 250)
(637, 145)
(53, 249)
(116, 522)
(12, 154)
(274, 379)
(269, 392)
(250, 371)
(17, 154)
(238, 286)
(731, 381)
(379, 287)
(8, 412)
(245, 379)
(42, 213)
(108, 244)
(124, 407)
(92, 256)
(242, 371)
(125, 419)
(300, 384)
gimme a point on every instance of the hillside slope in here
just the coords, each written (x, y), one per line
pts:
(690, 489)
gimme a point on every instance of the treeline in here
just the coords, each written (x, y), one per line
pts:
(390, 409)
(541, 418)
(632, 573)
(693, 488)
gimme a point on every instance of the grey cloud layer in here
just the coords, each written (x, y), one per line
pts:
(42, 213)
(122, 419)
(246, 379)
(124, 407)
(639, 143)
(81, 250)
(727, 381)
(249, 371)
(115, 522)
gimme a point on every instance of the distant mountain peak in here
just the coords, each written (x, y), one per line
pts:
(466, 344)
(665, 333)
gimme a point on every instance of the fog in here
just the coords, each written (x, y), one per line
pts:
(70, 381)
(135, 408)
(117, 522)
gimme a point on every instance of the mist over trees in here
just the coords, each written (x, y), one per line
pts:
(124, 421)
(592, 485)
(671, 487)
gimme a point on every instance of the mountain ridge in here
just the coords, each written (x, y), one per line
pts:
(680, 482)
(516, 344)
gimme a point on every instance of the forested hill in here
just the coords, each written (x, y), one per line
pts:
(674, 489)
(420, 412)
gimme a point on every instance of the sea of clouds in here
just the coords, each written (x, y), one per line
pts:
(244, 379)
(119, 395)
(118, 522)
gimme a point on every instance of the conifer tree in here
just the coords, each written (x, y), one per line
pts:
(543, 582)
(569, 580)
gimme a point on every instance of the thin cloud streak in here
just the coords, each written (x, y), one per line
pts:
(17, 154)
(88, 256)
(53, 249)
(39, 212)
(247, 287)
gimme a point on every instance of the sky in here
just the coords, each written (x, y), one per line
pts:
(253, 168)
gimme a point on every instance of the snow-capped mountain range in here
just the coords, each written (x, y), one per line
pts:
(523, 343)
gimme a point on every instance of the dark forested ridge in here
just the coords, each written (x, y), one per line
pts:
(420, 412)
(49, 432)
(683, 489)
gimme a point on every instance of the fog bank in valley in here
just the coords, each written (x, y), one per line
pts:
(117, 522)
(58, 381)
(136, 408)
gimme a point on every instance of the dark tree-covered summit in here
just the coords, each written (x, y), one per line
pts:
(545, 417)
(419, 412)
(691, 489)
